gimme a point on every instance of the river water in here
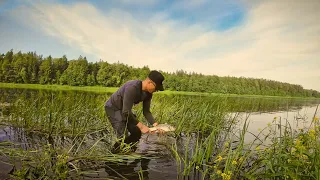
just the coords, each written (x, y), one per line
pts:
(159, 162)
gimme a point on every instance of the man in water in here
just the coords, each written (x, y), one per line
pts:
(119, 105)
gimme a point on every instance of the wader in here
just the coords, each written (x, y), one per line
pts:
(121, 127)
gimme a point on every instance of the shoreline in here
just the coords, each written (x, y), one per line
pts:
(101, 89)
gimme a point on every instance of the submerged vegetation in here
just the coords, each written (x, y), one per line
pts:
(31, 68)
(65, 134)
(290, 153)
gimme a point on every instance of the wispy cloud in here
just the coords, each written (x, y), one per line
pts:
(279, 40)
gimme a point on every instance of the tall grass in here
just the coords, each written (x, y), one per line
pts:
(58, 162)
(58, 115)
(69, 133)
(290, 154)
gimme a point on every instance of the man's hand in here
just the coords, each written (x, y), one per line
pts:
(160, 131)
(143, 128)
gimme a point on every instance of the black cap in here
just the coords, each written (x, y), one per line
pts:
(157, 78)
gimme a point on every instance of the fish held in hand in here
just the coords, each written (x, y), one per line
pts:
(164, 127)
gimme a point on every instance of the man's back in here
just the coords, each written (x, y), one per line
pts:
(116, 99)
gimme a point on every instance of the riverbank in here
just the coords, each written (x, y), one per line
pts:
(100, 89)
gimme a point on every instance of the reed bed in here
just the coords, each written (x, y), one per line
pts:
(66, 134)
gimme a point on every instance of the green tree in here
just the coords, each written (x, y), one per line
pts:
(1, 71)
(76, 73)
(7, 67)
(105, 76)
(19, 68)
(59, 66)
(31, 68)
(90, 80)
(46, 71)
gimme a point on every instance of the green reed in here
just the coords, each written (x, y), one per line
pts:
(206, 141)
(209, 147)
(43, 160)
(57, 114)
(290, 154)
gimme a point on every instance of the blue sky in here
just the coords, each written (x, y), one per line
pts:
(276, 40)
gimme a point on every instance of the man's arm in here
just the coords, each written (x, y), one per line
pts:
(146, 111)
(128, 103)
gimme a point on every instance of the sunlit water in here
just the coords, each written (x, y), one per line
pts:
(260, 123)
(159, 162)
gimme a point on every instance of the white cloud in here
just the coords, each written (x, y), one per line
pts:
(280, 40)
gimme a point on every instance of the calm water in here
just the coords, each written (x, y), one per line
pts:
(159, 163)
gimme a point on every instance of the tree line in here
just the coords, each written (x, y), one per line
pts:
(32, 68)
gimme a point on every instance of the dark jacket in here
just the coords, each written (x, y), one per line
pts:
(128, 95)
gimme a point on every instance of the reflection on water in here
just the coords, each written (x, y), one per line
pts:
(260, 122)
(157, 161)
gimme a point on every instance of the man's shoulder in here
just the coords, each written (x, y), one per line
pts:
(133, 83)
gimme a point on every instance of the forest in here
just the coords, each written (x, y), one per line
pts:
(31, 68)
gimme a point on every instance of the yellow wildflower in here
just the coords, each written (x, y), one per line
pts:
(219, 158)
(225, 176)
(269, 124)
(298, 142)
(316, 119)
(313, 136)
(312, 133)
(234, 163)
(259, 129)
(257, 148)
(304, 156)
(300, 147)
(215, 166)
(219, 172)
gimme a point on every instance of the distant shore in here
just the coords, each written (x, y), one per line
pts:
(101, 89)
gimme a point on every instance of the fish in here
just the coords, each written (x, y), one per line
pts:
(165, 127)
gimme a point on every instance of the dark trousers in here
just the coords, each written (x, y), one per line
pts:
(121, 126)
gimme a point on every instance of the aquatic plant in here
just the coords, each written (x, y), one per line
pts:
(69, 136)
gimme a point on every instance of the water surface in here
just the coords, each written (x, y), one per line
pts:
(83, 112)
